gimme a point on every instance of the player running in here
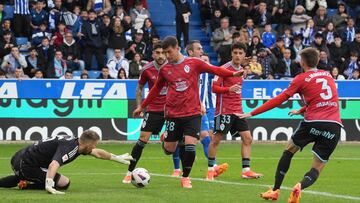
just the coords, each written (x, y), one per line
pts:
(36, 166)
(228, 103)
(154, 117)
(182, 108)
(321, 125)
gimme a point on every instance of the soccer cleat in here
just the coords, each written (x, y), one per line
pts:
(185, 182)
(295, 195)
(270, 195)
(251, 175)
(210, 175)
(176, 173)
(220, 169)
(127, 179)
(22, 184)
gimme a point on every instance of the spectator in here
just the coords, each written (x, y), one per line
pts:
(68, 75)
(222, 40)
(21, 18)
(309, 33)
(136, 46)
(32, 62)
(13, 61)
(56, 14)
(261, 15)
(338, 51)
(248, 31)
(7, 42)
(329, 33)
(281, 13)
(40, 33)
(339, 19)
(57, 67)
(129, 34)
(287, 37)
(46, 54)
(138, 15)
(348, 34)
(268, 62)
(206, 11)
(336, 75)
(312, 5)
(183, 12)
(355, 45)
(71, 52)
(119, 12)
(215, 20)
(149, 48)
(101, 7)
(255, 46)
(59, 35)
(2, 12)
(268, 38)
(128, 4)
(94, 33)
(84, 75)
(39, 74)
(350, 65)
(255, 68)
(321, 18)
(135, 66)
(38, 15)
(6, 27)
(299, 19)
(332, 4)
(74, 5)
(105, 74)
(19, 74)
(320, 44)
(279, 48)
(325, 63)
(117, 38)
(121, 74)
(355, 75)
(149, 30)
(116, 63)
(296, 47)
(236, 38)
(76, 28)
(2, 74)
(286, 67)
(237, 14)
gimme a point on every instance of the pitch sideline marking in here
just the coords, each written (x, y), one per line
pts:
(234, 158)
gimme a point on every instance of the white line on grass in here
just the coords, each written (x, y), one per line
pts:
(236, 158)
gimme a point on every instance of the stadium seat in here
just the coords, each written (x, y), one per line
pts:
(77, 73)
(93, 74)
(21, 41)
(331, 12)
(9, 11)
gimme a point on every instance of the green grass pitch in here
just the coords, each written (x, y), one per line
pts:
(95, 180)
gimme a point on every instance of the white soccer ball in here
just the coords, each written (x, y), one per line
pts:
(140, 177)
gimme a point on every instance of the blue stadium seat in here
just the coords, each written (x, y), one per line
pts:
(9, 11)
(331, 12)
(93, 74)
(77, 73)
(21, 41)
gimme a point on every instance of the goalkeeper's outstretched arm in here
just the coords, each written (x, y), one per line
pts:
(102, 154)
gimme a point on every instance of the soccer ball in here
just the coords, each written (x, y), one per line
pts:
(140, 177)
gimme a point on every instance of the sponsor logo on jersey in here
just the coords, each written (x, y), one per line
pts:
(65, 158)
(181, 86)
(186, 69)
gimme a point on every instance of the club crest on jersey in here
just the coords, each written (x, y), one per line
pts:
(222, 126)
(65, 158)
(186, 69)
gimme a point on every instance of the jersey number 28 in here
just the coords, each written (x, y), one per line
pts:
(325, 86)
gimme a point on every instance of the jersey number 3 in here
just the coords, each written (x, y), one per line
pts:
(325, 86)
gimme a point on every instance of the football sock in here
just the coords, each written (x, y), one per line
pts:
(176, 158)
(9, 181)
(309, 178)
(136, 154)
(205, 142)
(245, 164)
(211, 162)
(282, 168)
(188, 159)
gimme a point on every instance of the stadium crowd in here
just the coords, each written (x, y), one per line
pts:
(64, 35)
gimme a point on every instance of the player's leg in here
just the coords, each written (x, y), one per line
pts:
(61, 182)
(9, 181)
(204, 134)
(176, 162)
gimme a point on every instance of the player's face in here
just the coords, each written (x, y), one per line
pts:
(198, 50)
(159, 56)
(238, 56)
(88, 147)
(172, 53)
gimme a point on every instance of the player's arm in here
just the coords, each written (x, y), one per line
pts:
(102, 154)
(139, 90)
(223, 72)
(50, 174)
(217, 88)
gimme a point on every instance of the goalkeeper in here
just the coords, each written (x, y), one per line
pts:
(36, 166)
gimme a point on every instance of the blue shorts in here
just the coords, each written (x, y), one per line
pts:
(204, 123)
(210, 115)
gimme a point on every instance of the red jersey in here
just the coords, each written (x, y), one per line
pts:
(227, 102)
(149, 73)
(182, 78)
(318, 90)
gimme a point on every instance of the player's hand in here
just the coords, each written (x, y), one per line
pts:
(203, 110)
(122, 158)
(49, 187)
(294, 112)
(239, 73)
(138, 112)
(235, 88)
(243, 115)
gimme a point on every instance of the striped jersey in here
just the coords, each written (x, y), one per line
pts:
(207, 97)
(21, 7)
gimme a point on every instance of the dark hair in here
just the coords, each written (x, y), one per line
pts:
(238, 45)
(170, 41)
(89, 136)
(91, 11)
(158, 46)
(155, 36)
(68, 71)
(205, 54)
(310, 56)
(82, 74)
(38, 70)
(121, 69)
(190, 46)
(105, 67)
(354, 53)
(235, 35)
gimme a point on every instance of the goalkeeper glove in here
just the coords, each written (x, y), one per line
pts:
(49, 186)
(123, 158)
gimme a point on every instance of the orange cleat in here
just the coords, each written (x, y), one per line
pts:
(127, 179)
(185, 182)
(220, 169)
(22, 184)
(176, 173)
(295, 195)
(270, 195)
(251, 175)
(210, 175)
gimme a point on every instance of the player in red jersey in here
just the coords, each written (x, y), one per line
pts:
(182, 108)
(321, 125)
(154, 116)
(229, 102)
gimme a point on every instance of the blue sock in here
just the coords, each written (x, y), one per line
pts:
(205, 142)
(176, 158)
